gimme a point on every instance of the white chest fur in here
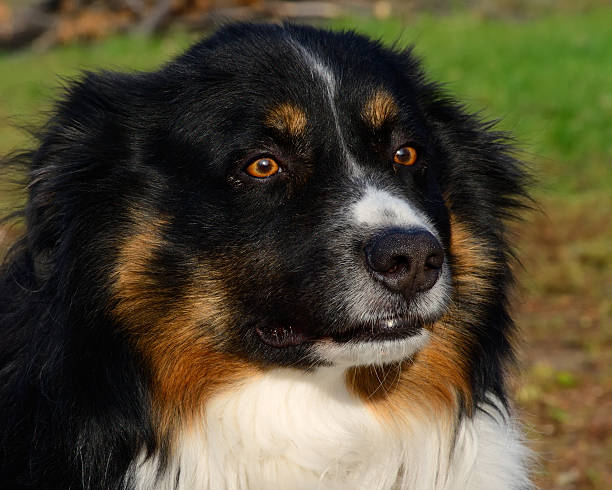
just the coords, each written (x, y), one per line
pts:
(292, 430)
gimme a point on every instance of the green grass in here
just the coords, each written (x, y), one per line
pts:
(30, 80)
(548, 79)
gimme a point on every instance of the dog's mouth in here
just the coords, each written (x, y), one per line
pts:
(281, 336)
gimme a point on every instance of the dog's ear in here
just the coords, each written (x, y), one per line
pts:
(70, 171)
(478, 159)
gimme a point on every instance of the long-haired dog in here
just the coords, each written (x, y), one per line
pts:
(279, 261)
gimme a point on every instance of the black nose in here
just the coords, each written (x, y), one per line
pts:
(406, 261)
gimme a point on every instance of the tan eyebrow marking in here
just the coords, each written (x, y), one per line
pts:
(288, 118)
(380, 107)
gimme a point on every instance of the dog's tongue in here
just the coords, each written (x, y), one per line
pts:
(282, 336)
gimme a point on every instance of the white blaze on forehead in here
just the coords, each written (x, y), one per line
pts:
(320, 70)
(379, 208)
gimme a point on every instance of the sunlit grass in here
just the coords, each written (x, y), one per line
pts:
(549, 80)
(30, 80)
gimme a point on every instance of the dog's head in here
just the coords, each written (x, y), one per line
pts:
(277, 196)
(305, 194)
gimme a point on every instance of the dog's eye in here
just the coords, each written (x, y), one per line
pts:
(263, 168)
(406, 155)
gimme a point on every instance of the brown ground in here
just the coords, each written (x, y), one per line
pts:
(565, 311)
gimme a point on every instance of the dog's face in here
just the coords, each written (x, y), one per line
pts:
(304, 191)
(278, 196)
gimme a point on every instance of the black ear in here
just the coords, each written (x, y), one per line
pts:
(480, 161)
(92, 136)
(83, 136)
(477, 161)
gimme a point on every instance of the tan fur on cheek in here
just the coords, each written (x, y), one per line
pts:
(437, 379)
(287, 118)
(176, 336)
(379, 108)
(473, 263)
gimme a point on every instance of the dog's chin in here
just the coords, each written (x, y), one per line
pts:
(375, 342)
(371, 352)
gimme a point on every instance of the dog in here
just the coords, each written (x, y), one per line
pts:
(279, 261)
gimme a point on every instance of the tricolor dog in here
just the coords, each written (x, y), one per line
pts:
(278, 262)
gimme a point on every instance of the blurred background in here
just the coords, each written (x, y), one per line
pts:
(543, 66)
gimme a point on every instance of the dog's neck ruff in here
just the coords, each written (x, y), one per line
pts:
(295, 430)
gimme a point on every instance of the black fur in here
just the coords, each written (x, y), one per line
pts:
(75, 396)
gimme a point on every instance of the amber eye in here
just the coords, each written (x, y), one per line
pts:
(262, 168)
(406, 155)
